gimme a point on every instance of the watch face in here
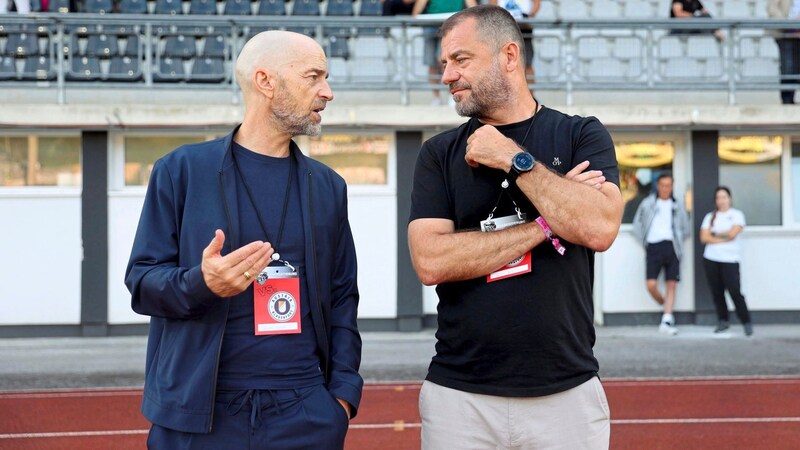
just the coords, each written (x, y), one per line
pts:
(523, 161)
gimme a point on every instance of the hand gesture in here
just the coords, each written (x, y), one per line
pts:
(488, 147)
(231, 274)
(593, 178)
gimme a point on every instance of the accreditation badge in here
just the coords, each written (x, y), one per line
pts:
(276, 302)
(518, 266)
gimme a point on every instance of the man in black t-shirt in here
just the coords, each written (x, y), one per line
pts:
(505, 219)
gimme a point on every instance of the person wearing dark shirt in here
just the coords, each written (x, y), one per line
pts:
(690, 9)
(506, 220)
(253, 339)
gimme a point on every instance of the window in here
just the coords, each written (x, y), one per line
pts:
(141, 152)
(359, 159)
(750, 167)
(640, 163)
(40, 161)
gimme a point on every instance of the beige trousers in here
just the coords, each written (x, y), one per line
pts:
(578, 418)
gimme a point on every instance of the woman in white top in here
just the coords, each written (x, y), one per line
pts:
(720, 231)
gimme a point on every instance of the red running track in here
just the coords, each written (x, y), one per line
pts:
(708, 414)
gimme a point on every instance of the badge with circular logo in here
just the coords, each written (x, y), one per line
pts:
(276, 303)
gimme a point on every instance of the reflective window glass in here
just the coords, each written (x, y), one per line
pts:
(640, 163)
(751, 167)
(141, 152)
(359, 159)
(40, 161)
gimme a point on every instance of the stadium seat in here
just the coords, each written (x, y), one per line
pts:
(759, 69)
(59, 6)
(170, 7)
(237, 8)
(98, 6)
(272, 8)
(84, 68)
(169, 70)
(337, 47)
(215, 46)
(8, 68)
(22, 44)
(305, 8)
(203, 7)
(131, 47)
(339, 8)
(37, 68)
(180, 46)
(207, 70)
(124, 68)
(371, 8)
(102, 45)
(132, 6)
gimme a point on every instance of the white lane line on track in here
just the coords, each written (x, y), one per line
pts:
(701, 382)
(75, 394)
(409, 425)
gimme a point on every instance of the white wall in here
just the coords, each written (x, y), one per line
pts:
(40, 268)
(123, 217)
(770, 268)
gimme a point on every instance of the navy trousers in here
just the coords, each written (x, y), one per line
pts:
(307, 418)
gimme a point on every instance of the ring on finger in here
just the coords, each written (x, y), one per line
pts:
(247, 275)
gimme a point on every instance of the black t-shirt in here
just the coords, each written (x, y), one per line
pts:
(690, 6)
(530, 335)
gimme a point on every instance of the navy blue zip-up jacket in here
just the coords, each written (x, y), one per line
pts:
(191, 194)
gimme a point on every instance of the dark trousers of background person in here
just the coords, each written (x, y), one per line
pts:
(789, 49)
(722, 276)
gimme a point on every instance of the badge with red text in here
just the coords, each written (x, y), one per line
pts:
(516, 267)
(276, 304)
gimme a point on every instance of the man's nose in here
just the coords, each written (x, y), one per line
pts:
(326, 92)
(449, 75)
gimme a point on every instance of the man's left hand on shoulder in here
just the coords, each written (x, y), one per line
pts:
(488, 147)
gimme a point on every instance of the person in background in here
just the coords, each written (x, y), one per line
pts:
(788, 44)
(691, 9)
(432, 38)
(523, 9)
(721, 231)
(661, 225)
(253, 337)
(23, 6)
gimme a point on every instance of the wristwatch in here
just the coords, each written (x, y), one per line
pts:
(521, 162)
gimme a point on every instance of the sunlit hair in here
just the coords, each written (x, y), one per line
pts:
(495, 26)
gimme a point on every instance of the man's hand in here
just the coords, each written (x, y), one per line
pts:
(592, 178)
(488, 147)
(231, 274)
(346, 407)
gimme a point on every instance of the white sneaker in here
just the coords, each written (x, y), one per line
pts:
(668, 329)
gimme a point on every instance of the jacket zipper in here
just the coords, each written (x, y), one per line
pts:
(326, 372)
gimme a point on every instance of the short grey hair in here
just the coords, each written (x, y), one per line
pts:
(495, 26)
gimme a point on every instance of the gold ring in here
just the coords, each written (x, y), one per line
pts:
(247, 275)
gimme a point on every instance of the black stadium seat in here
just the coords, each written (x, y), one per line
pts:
(22, 44)
(305, 8)
(337, 47)
(207, 70)
(59, 6)
(371, 8)
(203, 7)
(170, 7)
(237, 8)
(98, 6)
(8, 68)
(180, 46)
(124, 68)
(170, 70)
(37, 68)
(339, 8)
(102, 45)
(272, 8)
(131, 45)
(84, 68)
(215, 46)
(132, 6)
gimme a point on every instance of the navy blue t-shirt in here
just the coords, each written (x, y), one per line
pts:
(530, 335)
(283, 361)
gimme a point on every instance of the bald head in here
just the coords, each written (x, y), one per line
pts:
(272, 51)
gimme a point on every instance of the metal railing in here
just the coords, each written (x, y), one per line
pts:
(385, 53)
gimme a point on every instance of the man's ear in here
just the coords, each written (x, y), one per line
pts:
(264, 82)
(511, 54)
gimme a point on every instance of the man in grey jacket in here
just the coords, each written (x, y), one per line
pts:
(661, 225)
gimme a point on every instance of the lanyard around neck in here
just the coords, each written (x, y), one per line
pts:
(261, 221)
